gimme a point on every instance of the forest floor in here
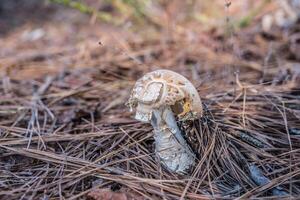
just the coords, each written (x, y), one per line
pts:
(65, 131)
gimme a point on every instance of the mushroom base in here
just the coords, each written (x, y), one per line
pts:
(173, 151)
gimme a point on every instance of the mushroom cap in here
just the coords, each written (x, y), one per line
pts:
(162, 88)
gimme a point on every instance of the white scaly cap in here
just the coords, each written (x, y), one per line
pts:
(165, 88)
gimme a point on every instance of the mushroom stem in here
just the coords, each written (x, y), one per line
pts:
(170, 146)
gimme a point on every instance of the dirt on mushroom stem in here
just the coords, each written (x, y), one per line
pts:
(170, 146)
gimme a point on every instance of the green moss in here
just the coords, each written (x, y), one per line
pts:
(106, 17)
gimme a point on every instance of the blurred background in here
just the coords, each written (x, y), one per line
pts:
(66, 33)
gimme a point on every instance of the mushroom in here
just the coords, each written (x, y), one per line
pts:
(160, 97)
